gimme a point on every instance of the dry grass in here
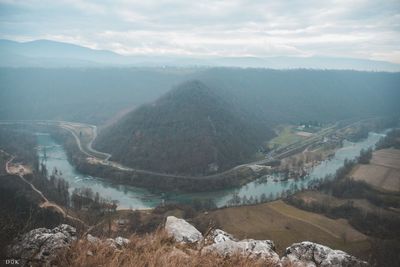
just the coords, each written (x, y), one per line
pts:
(285, 225)
(18, 169)
(285, 136)
(336, 228)
(319, 197)
(155, 249)
(383, 172)
(333, 202)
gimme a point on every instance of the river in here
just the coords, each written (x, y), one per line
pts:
(54, 156)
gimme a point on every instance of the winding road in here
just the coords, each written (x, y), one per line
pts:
(89, 151)
(46, 204)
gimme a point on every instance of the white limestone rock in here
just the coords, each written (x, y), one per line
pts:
(116, 243)
(182, 231)
(262, 249)
(315, 255)
(40, 246)
(121, 242)
(92, 239)
(218, 236)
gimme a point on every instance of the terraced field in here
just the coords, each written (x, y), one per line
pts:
(285, 136)
(383, 171)
(286, 224)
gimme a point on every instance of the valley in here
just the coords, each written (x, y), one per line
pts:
(286, 224)
(177, 133)
(262, 202)
(203, 148)
(260, 182)
(383, 171)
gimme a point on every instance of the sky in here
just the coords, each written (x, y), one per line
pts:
(205, 28)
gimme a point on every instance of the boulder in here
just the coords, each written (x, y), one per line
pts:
(218, 236)
(262, 249)
(182, 231)
(121, 242)
(312, 254)
(41, 245)
(117, 243)
(92, 239)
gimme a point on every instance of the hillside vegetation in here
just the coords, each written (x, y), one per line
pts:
(320, 95)
(99, 94)
(156, 249)
(285, 225)
(190, 130)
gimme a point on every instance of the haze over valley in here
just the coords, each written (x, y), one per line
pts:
(221, 133)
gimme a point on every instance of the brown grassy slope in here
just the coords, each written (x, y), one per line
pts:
(285, 225)
(191, 130)
(383, 171)
(155, 249)
(311, 197)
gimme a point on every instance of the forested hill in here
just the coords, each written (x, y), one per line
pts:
(93, 95)
(190, 130)
(322, 95)
(98, 94)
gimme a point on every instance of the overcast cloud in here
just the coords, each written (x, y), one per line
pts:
(350, 28)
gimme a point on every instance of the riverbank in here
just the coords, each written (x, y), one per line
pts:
(258, 190)
(286, 224)
(313, 151)
(235, 177)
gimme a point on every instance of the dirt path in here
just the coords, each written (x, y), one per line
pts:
(305, 221)
(46, 204)
(45, 200)
(7, 163)
(90, 152)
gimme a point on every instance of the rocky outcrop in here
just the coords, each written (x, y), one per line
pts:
(92, 239)
(226, 245)
(182, 231)
(218, 236)
(263, 249)
(299, 254)
(116, 243)
(311, 254)
(40, 246)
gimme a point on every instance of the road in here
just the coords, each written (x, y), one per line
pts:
(46, 204)
(92, 153)
(88, 149)
(148, 172)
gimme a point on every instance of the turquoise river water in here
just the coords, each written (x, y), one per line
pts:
(139, 198)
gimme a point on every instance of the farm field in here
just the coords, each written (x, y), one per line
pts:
(286, 224)
(310, 197)
(383, 171)
(84, 132)
(285, 135)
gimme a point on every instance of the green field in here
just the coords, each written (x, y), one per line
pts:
(285, 225)
(285, 135)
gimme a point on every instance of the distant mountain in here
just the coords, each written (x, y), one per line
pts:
(315, 62)
(189, 130)
(46, 53)
(295, 95)
(98, 95)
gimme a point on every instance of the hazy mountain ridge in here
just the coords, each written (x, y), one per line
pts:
(78, 94)
(42, 53)
(95, 95)
(292, 95)
(190, 130)
(52, 54)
